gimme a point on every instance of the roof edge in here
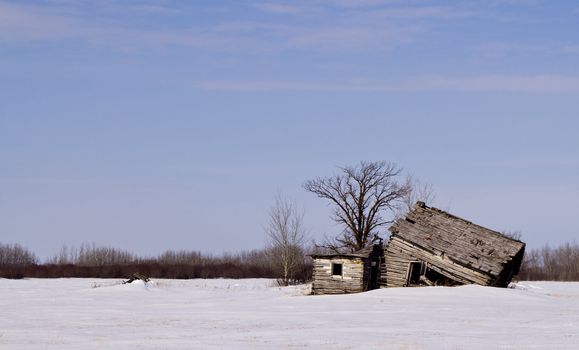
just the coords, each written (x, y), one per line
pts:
(422, 205)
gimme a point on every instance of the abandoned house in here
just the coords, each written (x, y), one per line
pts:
(347, 273)
(432, 247)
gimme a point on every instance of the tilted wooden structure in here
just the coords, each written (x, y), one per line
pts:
(432, 247)
(347, 273)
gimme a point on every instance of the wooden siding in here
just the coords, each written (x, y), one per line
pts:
(441, 233)
(399, 253)
(351, 281)
(453, 247)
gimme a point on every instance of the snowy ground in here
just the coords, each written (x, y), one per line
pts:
(251, 314)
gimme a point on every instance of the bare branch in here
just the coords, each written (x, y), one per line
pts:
(416, 191)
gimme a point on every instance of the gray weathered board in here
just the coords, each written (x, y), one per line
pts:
(454, 247)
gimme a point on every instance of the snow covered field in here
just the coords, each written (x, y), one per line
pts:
(251, 314)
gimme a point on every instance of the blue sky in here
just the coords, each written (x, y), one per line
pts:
(153, 125)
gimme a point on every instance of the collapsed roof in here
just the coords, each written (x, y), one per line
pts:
(442, 240)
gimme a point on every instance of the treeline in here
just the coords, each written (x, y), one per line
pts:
(545, 264)
(551, 264)
(94, 261)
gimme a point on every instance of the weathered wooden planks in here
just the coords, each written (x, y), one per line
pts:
(356, 271)
(400, 253)
(351, 280)
(455, 251)
(453, 247)
(458, 238)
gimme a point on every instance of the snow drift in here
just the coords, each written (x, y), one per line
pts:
(252, 314)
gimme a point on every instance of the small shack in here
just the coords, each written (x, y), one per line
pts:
(347, 273)
(432, 247)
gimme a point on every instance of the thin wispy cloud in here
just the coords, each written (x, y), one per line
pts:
(516, 2)
(349, 38)
(423, 13)
(491, 83)
(278, 8)
(361, 3)
(536, 161)
(45, 180)
(355, 29)
(364, 9)
(154, 9)
(24, 22)
(572, 49)
(497, 53)
(318, 6)
(363, 27)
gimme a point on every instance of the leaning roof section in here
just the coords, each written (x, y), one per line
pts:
(460, 240)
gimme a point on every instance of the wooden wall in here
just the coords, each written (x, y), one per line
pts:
(351, 281)
(456, 248)
(399, 253)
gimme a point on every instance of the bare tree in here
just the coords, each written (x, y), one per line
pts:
(552, 264)
(286, 234)
(93, 255)
(516, 235)
(362, 197)
(417, 191)
(66, 255)
(16, 255)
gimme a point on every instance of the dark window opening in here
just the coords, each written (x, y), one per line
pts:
(415, 270)
(438, 279)
(420, 274)
(336, 269)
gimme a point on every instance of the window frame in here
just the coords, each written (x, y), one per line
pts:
(341, 268)
(410, 270)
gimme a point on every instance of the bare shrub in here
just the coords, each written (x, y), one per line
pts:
(172, 257)
(16, 255)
